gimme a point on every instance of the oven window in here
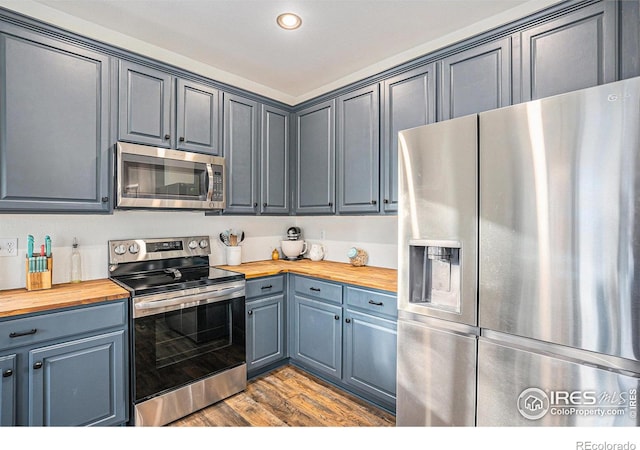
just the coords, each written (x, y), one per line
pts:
(175, 348)
(149, 177)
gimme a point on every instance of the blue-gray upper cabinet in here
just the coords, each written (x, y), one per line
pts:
(241, 130)
(409, 100)
(198, 117)
(358, 151)
(7, 390)
(476, 80)
(144, 102)
(274, 161)
(54, 125)
(571, 52)
(315, 159)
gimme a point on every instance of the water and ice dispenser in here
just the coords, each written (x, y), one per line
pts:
(434, 274)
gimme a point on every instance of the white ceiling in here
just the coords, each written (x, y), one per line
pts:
(238, 41)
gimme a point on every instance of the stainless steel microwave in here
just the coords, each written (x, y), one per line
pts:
(151, 177)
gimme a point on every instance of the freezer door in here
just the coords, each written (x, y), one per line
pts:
(438, 220)
(559, 219)
(436, 376)
(521, 387)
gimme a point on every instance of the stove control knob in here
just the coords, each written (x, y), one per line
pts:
(134, 248)
(204, 243)
(120, 249)
(193, 244)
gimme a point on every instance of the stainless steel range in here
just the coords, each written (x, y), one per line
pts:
(188, 338)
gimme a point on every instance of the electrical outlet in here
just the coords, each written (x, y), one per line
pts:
(322, 235)
(8, 246)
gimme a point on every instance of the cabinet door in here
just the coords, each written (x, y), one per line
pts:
(241, 153)
(370, 355)
(198, 115)
(7, 390)
(409, 101)
(144, 104)
(265, 331)
(477, 79)
(315, 159)
(571, 52)
(274, 161)
(358, 150)
(54, 126)
(81, 382)
(317, 335)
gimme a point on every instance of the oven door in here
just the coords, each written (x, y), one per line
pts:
(186, 339)
(150, 177)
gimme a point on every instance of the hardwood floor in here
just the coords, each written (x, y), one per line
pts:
(289, 397)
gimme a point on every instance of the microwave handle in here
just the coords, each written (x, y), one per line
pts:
(210, 175)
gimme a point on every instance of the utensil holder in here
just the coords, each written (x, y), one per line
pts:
(234, 255)
(39, 280)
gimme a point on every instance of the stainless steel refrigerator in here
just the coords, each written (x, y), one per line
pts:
(519, 264)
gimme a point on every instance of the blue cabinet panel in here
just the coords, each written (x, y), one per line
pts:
(318, 336)
(274, 161)
(241, 152)
(409, 100)
(79, 382)
(265, 331)
(370, 355)
(358, 151)
(315, 159)
(8, 377)
(54, 126)
(198, 118)
(477, 79)
(144, 105)
(572, 52)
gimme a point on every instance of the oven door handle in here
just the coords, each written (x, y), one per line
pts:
(192, 300)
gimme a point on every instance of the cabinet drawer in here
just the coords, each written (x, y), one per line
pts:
(375, 302)
(324, 290)
(264, 286)
(57, 325)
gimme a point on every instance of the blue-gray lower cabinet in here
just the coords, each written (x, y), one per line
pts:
(317, 339)
(370, 355)
(265, 322)
(66, 367)
(346, 334)
(54, 125)
(78, 383)
(7, 390)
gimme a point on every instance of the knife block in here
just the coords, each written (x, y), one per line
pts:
(39, 280)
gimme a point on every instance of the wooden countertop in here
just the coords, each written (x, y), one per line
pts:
(20, 301)
(366, 276)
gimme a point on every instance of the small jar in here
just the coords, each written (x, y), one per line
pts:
(275, 255)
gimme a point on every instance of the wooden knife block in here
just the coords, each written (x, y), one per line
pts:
(39, 280)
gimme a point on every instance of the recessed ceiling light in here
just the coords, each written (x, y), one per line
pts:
(289, 21)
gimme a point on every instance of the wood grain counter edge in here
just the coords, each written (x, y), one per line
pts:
(371, 277)
(17, 302)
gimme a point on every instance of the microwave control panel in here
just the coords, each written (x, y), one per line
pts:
(218, 184)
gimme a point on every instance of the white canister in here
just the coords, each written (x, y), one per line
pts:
(234, 255)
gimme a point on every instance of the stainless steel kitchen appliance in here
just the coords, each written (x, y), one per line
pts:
(188, 326)
(545, 329)
(151, 177)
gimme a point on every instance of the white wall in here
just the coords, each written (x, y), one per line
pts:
(376, 235)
